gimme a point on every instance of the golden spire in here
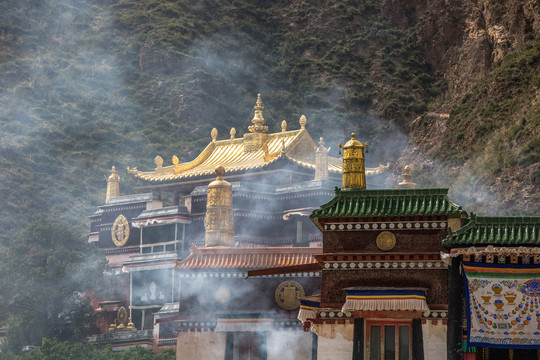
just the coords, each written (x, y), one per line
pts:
(354, 168)
(406, 175)
(219, 221)
(321, 161)
(258, 119)
(113, 185)
(214, 134)
(303, 122)
(283, 126)
(233, 133)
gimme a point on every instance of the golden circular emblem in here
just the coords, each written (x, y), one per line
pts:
(386, 241)
(120, 231)
(288, 295)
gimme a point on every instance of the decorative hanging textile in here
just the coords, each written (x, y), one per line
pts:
(244, 322)
(386, 300)
(503, 305)
(308, 310)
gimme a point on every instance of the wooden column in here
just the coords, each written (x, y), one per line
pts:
(358, 339)
(417, 340)
(455, 310)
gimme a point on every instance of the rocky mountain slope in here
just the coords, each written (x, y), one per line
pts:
(449, 86)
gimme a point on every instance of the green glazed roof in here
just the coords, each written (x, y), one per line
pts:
(508, 231)
(371, 203)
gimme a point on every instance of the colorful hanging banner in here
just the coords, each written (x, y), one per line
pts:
(308, 310)
(244, 322)
(503, 305)
(386, 300)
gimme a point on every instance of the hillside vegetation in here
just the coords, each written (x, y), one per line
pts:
(85, 85)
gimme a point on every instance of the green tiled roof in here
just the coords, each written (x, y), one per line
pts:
(508, 231)
(370, 203)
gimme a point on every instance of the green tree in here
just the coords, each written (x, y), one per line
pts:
(53, 349)
(46, 276)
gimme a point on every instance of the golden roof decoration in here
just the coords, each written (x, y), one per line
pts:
(214, 134)
(233, 133)
(303, 122)
(258, 119)
(244, 154)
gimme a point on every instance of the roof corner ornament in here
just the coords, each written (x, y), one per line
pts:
(214, 134)
(283, 126)
(303, 122)
(158, 160)
(321, 161)
(258, 119)
(233, 133)
(354, 168)
(406, 175)
(113, 185)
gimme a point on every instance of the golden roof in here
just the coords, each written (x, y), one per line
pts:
(253, 151)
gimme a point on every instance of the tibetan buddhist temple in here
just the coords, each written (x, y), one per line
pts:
(181, 248)
(266, 247)
(408, 274)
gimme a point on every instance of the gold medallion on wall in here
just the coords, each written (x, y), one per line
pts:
(120, 231)
(288, 295)
(386, 241)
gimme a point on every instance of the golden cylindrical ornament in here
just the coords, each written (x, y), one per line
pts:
(219, 220)
(354, 169)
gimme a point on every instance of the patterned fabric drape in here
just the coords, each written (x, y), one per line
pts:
(503, 305)
(385, 300)
(245, 322)
(308, 310)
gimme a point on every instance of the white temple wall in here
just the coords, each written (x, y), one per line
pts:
(335, 341)
(196, 345)
(434, 336)
(289, 345)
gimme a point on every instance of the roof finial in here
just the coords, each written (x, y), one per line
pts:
(321, 161)
(233, 133)
(258, 119)
(354, 168)
(113, 185)
(406, 183)
(214, 134)
(283, 126)
(303, 122)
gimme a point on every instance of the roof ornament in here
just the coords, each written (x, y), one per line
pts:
(214, 134)
(158, 160)
(406, 175)
(219, 221)
(258, 119)
(303, 122)
(321, 161)
(233, 133)
(176, 162)
(354, 168)
(113, 185)
(283, 126)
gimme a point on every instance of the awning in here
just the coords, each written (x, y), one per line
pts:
(244, 322)
(308, 308)
(387, 299)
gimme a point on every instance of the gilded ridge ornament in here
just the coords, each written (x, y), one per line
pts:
(258, 119)
(303, 122)
(283, 126)
(233, 133)
(288, 295)
(113, 185)
(386, 241)
(120, 231)
(214, 134)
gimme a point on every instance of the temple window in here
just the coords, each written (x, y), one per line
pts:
(387, 340)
